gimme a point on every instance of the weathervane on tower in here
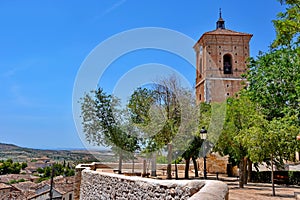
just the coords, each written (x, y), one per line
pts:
(220, 22)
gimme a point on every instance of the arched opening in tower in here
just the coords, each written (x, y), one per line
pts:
(227, 64)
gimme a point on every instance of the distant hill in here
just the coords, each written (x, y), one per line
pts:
(22, 154)
(8, 146)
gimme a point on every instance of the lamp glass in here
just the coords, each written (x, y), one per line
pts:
(203, 133)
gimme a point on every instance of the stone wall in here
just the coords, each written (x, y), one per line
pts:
(214, 163)
(103, 185)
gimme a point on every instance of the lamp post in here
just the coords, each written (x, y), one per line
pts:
(203, 135)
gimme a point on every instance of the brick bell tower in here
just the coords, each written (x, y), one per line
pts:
(221, 59)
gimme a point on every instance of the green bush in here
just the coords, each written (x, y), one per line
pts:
(161, 160)
(294, 177)
(261, 177)
(265, 177)
(16, 181)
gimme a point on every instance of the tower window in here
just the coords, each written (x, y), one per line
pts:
(227, 64)
(200, 66)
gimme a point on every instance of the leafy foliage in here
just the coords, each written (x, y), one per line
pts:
(274, 82)
(10, 167)
(59, 169)
(287, 25)
(104, 123)
(166, 114)
(276, 137)
(241, 114)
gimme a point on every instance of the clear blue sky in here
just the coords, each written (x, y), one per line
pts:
(43, 44)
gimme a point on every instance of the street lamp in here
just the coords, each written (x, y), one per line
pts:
(203, 135)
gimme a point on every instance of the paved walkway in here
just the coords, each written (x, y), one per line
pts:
(253, 191)
(259, 191)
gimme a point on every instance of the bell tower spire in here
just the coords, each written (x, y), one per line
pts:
(220, 22)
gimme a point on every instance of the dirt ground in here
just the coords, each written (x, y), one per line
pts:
(259, 191)
(253, 191)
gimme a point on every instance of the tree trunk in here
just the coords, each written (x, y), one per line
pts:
(241, 173)
(245, 170)
(169, 167)
(249, 170)
(153, 164)
(187, 168)
(144, 167)
(195, 166)
(120, 162)
(176, 170)
(272, 176)
(133, 164)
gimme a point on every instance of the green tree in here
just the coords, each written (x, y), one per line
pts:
(23, 165)
(10, 167)
(59, 169)
(241, 114)
(146, 116)
(274, 82)
(192, 152)
(287, 25)
(164, 114)
(139, 104)
(274, 85)
(273, 140)
(104, 123)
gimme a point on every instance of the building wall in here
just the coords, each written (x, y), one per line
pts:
(68, 196)
(212, 85)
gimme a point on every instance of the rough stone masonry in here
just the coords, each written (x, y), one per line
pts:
(103, 185)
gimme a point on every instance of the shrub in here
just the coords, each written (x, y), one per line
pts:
(265, 177)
